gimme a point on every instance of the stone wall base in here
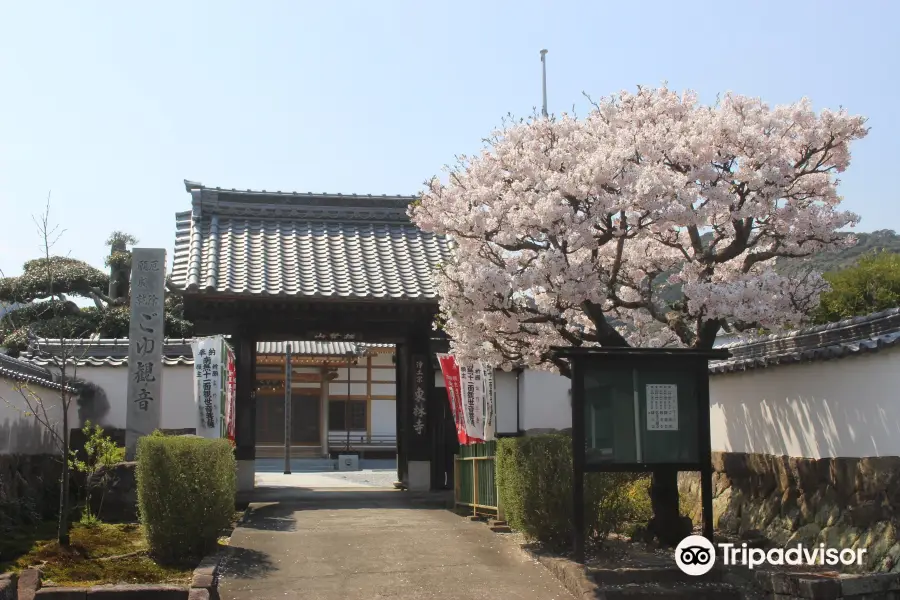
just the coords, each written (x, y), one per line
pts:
(802, 586)
(841, 502)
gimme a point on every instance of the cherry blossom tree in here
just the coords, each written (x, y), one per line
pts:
(653, 221)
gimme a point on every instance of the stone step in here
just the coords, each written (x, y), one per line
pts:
(672, 591)
(500, 528)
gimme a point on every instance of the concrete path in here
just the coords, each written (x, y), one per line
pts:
(355, 544)
(368, 478)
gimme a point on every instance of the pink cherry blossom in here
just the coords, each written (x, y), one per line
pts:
(566, 231)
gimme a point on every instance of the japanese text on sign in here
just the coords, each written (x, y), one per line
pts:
(419, 397)
(662, 407)
(210, 381)
(334, 336)
(145, 339)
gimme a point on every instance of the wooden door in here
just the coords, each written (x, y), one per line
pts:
(305, 419)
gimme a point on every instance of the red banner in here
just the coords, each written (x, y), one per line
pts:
(230, 393)
(450, 370)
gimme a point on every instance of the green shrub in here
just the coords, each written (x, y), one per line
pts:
(534, 477)
(93, 463)
(186, 488)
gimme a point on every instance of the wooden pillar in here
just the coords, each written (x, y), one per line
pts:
(578, 460)
(704, 449)
(245, 410)
(400, 371)
(323, 411)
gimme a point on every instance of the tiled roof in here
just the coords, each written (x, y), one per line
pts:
(24, 372)
(304, 245)
(113, 352)
(317, 348)
(850, 337)
(109, 352)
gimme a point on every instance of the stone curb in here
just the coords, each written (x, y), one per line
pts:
(204, 586)
(205, 579)
(115, 592)
(29, 584)
(8, 583)
(573, 576)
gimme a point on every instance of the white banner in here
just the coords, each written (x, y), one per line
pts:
(490, 404)
(478, 379)
(473, 403)
(209, 366)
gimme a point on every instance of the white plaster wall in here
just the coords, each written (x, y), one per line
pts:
(21, 434)
(848, 407)
(544, 401)
(506, 387)
(385, 359)
(384, 417)
(179, 410)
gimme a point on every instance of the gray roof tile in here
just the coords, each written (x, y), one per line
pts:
(105, 352)
(304, 245)
(849, 337)
(316, 348)
(25, 371)
(113, 352)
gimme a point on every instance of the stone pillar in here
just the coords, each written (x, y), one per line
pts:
(245, 411)
(417, 420)
(143, 412)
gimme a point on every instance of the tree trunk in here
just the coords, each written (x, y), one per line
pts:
(667, 524)
(62, 535)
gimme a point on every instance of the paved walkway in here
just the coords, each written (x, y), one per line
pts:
(368, 478)
(362, 543)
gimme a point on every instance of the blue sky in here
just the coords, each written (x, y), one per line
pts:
(111, 105)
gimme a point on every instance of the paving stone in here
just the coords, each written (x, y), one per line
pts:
(855, 585)
(29, 584)
(137, 592)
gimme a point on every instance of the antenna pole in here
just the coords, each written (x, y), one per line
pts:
(544, 67)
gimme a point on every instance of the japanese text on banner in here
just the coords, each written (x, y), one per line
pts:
(208, 377)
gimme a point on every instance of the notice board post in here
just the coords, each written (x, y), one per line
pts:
(639, 410)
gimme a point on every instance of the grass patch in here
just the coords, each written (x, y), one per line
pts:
(105, 553)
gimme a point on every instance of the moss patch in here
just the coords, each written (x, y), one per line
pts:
(105, 553)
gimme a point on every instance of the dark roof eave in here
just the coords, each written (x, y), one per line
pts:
(842, 339)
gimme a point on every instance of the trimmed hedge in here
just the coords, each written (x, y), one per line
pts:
(534, 477)
(185, 488)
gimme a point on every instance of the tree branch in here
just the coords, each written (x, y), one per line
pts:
(606, 333)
